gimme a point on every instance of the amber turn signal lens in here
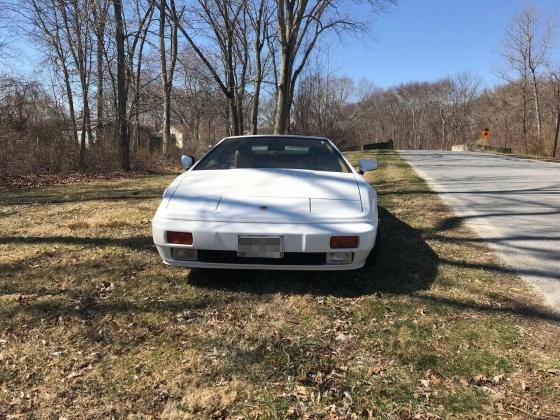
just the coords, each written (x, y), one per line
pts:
(344, 242)
(182, 238)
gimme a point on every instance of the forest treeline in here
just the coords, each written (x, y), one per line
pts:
(121, 80)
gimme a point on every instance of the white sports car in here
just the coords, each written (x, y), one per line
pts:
(268, 202)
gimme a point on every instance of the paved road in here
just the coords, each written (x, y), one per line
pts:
(513, 204)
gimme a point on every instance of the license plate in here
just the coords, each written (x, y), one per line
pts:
(260, 247)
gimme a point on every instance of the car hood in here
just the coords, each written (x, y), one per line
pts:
(265, 195)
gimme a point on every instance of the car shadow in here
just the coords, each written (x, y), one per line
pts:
(401, 263)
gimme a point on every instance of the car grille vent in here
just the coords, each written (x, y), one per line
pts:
(290, 258)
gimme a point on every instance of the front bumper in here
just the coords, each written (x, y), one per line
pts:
(299, 240)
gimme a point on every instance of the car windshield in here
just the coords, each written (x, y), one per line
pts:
(274, 152)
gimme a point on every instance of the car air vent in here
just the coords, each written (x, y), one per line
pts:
(290, 258)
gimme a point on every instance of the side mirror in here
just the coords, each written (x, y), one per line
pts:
(367, 165)
(187, 161)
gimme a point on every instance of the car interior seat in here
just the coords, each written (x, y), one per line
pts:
(243, 157)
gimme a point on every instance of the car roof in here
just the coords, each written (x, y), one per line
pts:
(276, 135)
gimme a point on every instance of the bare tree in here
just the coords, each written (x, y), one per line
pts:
(555, 81)
(78, 37)
(167, 68)
(300, 25)
(122, 124)
(322, 104)
(239, 54)
(227, 24)
(47, 20)
(465, 89)
(525, 49)
(4, 26)
(100, 15)
(205, 61)
(136, 41)
(197, 104)
(31, 125)
(260, 17)
(136, 24)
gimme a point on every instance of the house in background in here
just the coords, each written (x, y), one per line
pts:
(147, 137)
(177, 135)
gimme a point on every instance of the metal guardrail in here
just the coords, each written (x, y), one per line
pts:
(480, 148)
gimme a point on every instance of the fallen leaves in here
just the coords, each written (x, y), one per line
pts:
(187, 317)
(318, 378)
(42, 180)
(106, 288)
(302, 392)
(73, 375)
(340, 413)
(481, 380)
(375, 370)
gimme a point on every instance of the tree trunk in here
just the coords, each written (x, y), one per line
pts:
(138, 79)
(121, 87)
(100, 52)
(536, 97)
(167, 72)
(70, 95)
(165, 83)
(282, 116)
(233, 116)
(524, 117)
(259, 26)
(554, 149)
(83, 142)
(77, 34)
(87, 114)
(443, 135)
(240, 116)
(234, 111)
(114, 97)
(256, 95)
(166, 138)
(86, 125)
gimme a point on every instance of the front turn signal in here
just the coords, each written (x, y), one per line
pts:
(344, 242)
(180, 238)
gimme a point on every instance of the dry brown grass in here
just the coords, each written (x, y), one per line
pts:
(93, 325)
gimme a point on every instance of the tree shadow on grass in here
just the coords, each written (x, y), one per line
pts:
(401, 263)
(136, 242)
(79, 197)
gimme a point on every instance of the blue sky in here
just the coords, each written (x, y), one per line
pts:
(421, 40)
(429, 39)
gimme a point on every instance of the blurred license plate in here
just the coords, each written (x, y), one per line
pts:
(260, 247)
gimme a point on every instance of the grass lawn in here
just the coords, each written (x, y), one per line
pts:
(93, 325)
